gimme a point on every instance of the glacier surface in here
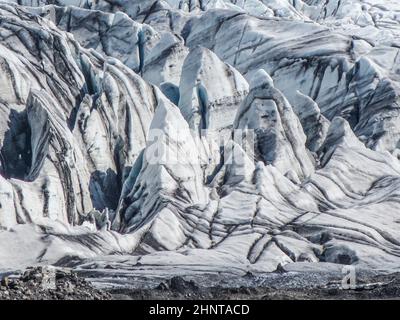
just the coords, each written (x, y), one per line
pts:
(199, 137)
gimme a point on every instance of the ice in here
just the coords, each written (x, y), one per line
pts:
(126, 131)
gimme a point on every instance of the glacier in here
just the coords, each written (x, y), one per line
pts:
(207, 137)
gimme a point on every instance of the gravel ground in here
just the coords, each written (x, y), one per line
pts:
(46, 283)
(376, 287)
(43, 283)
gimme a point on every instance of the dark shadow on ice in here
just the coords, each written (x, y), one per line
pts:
(16, 153)
(171, 91)
(105, 188)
